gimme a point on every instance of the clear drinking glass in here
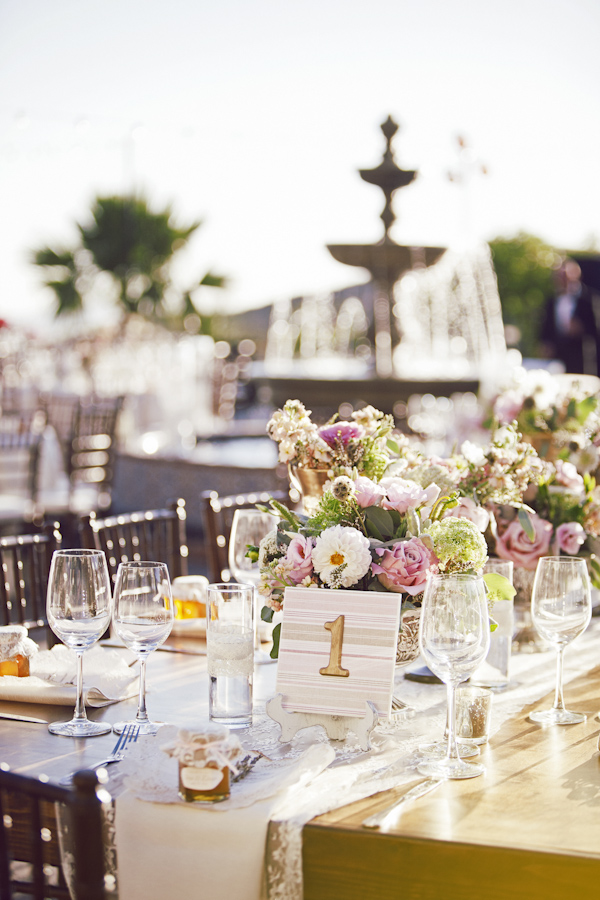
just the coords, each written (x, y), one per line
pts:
(230, 644)
(79, 607)
(494, 672)
(249, 526)
(143, 619)
(454, 639)
(561, 608)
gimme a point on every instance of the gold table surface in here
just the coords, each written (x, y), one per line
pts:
(530, 827)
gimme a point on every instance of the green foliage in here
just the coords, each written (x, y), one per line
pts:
(136, 246)
(523, 266)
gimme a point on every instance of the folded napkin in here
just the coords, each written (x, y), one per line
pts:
(53, 674)
(218, 848)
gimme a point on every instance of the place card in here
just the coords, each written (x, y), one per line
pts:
(338, 650)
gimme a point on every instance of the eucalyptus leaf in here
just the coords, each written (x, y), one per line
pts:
(526, 524)
(276, 636)
(381, 519)
(499, 587)
(266, 614)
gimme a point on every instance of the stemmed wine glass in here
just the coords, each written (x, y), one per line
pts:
(454, 639)
(249, 526)
(79, 607)
(143, 619)
(561, 608)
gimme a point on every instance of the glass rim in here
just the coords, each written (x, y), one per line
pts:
(563, 559)
(79, 551)
(464, 575)
(220, 586)
(142, 563)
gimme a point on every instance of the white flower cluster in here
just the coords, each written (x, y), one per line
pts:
(296, 435)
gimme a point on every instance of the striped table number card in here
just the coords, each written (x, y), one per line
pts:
(338, 650)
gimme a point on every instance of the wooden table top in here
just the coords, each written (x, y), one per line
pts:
(530, 827)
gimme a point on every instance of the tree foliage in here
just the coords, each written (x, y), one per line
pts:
(136, 246)
(523, 267)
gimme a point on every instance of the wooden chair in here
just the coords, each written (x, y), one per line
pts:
(19, 465)
(29, 829)
(86, 429)
(152, 534)
(25, 561)
(217, 517)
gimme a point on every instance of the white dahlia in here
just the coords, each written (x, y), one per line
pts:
(341, 556)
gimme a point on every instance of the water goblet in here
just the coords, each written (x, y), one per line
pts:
(143, 619)
(79, 607)
(561, 608)
(454, 639)
(249, 526)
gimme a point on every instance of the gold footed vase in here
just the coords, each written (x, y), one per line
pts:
(309, 484)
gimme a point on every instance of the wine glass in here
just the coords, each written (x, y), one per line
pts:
(142, 618)
(249, 526)
(561, 608)
(454, 639)
(78, 607)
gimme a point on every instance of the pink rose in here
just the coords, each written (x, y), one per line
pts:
(468, 509)
(404, 567)
(516, 546)
(368, 493)
(570, 536)
(401, 494)
(299, 557)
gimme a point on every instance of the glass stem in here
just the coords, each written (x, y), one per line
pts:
(79, 705)
(559, 702)
(142, 715)
(452, 751)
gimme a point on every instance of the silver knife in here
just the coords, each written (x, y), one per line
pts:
(22, 718)
(380, 818)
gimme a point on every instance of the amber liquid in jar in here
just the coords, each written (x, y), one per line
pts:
(189, 609)
(206, 783)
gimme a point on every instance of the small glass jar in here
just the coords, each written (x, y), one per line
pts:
(206, 759)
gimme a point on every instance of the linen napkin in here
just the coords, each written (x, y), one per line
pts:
(215, 850)
(53, 673)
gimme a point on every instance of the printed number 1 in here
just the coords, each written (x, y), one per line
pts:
(334, 666)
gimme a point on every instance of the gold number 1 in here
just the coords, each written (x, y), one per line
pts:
(334, 666)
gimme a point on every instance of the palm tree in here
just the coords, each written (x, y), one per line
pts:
(136, 246)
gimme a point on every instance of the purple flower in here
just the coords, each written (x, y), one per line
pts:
(341, 433)
(570, 537)
(404, 567)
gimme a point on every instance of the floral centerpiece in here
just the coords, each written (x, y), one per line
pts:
(525, 506)
(371, 536)
(559, 415)
(364, 444)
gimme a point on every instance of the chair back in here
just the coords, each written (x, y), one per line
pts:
(86, 428)
(19, 466)
(29, 827)
(217, 517)
(25, 561)
(151, 534)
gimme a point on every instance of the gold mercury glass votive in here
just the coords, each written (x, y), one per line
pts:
(206, 760)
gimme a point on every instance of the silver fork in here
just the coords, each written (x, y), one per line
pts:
(398, 704)
(129, 735)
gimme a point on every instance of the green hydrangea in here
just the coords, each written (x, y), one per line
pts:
(458, 544)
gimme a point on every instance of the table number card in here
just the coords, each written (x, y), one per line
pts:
(338, 650)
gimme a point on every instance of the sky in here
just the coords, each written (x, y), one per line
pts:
(255, 115)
